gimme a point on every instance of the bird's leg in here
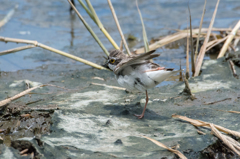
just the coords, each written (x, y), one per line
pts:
(142, 115)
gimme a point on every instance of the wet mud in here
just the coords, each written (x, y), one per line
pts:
(93, 121)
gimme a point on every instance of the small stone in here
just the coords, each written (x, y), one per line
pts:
(127, 100)
(108, 122)
(156, 100)
(142, 101)
(118, 142)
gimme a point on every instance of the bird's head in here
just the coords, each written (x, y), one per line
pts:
(114, 58)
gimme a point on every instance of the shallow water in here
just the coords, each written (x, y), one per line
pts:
(50, 23)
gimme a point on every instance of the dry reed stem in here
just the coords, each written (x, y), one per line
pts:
(179, 35)
(119, 27)
(87, 10)
(235, 43)
(35, 43)
(16, 49)
(94, 14)
(200, 27)
(187, 59)
(215, 42)
(209, 103)
(23, 151)
(191, 40)
(199, 123)
(203, 48)
(236, 112)
(114, 87)
(8, 100)
(233, 69)
(169, 39)
(145, 39)
(8, 16)
(228, 41)
(233, 112)
(89, 29)
(168, 148)
(201, 133)
(121, 46)
(23, 93)
(32, 155)
(232, 144)
(187, 89)
(100, 25)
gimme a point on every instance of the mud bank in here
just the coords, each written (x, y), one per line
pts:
(97, 122)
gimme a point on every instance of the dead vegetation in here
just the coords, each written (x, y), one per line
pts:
(220, 40)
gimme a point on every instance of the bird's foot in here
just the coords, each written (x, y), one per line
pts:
(139, 116)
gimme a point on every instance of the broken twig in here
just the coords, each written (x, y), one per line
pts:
(233, 69)
(209, 103)
(187, 89)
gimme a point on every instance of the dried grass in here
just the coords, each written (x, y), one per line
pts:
(16, 49)
(229, 39)
(168, 148)
(113, 87)
(187, 59)
(231, 143)
(180, 35)
(118, 26)
(199, 33)
(8, 16)
(23, 93)
(203, 48)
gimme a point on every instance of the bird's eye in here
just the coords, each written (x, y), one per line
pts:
(112, 61)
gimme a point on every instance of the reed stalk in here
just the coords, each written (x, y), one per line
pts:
(8, 16)
(16, 49)
(36, 44)
(145, 39)
(191, 40)
(89, 29)
(199, 32)
(203, 48)
(100, 25)
(229, 39)
(118, 26)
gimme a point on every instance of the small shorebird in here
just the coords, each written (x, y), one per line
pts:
(137, 72)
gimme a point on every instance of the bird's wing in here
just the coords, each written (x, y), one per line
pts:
(139, 59)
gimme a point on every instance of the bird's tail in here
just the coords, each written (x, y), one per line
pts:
(161, 75)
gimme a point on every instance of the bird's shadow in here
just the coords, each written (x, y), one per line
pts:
(128, 111)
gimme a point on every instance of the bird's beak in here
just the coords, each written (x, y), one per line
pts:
(106, 65)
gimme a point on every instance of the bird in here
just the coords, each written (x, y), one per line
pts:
(137, 72)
